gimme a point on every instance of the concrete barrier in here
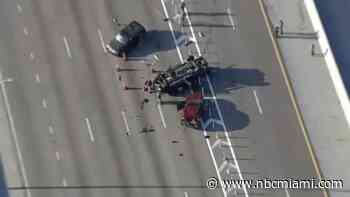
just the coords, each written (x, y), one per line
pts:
(329, 58)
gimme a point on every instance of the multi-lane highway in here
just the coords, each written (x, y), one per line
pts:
(79, 132)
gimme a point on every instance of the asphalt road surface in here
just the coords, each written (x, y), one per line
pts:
(81, 133)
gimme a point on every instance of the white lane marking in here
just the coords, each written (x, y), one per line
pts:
(32, 55)
(58, 156)
(231, 19)
(208, 97)
(156, 57)
(214, 161)
(19, 8)
(171, 29)
(102, 40)
(181, 39)
(88, 125)
(25, 31)
(185, 194)
(37, 78)
(51, 131)
(67, 47)
(64, 182)
(14, 135)
(257, 102)
(216, 105)
(287, 192)
(44, 103)
(161, 115)
(227, 135)
(125, 122)
(192, 31)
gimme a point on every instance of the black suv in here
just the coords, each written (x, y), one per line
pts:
(127, 38)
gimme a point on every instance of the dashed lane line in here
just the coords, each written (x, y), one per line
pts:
(88, 125)
(58, 156)
(51, 131)
(19, 8)
(66, 45)
(125, 122)
(64, 182)
(44, 103)
(37, 78)
(161, 115)
(102, 40)
(25, 31)
(257, 101)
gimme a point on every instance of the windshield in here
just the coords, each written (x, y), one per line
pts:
(120, 38)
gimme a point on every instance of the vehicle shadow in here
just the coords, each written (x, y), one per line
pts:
(155, 41)
(233, 119)
(226, 80)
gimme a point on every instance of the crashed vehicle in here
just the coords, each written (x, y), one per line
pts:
(192, 110)
(129, 37)
(177, 76)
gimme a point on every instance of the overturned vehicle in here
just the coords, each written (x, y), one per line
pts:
(177, 76)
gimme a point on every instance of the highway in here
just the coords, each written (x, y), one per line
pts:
(81, 133)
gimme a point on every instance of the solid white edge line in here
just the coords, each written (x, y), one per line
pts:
(181, 58)
(88, 125)
(67, 47)
(172, 31)
(227, 136)
(192, 31)
(125, 121)
(161, 115)
(257, 102)
(14, 135)
(102, 40)
(217, 107)
(214, 162)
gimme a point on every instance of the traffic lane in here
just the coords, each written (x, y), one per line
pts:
(136, 82)
(184, 157)
(25, 100)
(195, 166)
(89, 157)
(150, 14)
(121, 147)
(159, 171)
(67, 155)
(130, 170)
(251, 61)
(271, 88)
(294, 151)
